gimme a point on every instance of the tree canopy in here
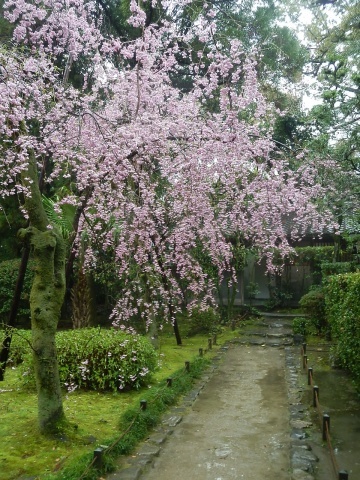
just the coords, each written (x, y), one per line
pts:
(156, 169)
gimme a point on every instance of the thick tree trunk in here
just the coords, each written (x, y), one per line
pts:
(177, 332)
(46, 298)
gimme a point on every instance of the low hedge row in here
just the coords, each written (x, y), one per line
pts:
(342, 306)
(93, 358)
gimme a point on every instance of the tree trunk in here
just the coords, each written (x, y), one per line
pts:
(5, 350)
(46, 298)
(177, 332)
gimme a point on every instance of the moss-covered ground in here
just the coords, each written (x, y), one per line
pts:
(93, 417)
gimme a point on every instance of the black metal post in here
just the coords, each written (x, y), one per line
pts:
(187, 366)
(169, 382)
(201, 352)
(143, 404)
(98, 457)
(210, 343)
(343, 475)
(304, 348)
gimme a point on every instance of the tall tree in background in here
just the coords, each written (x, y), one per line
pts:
(335, 62)
(333, 124)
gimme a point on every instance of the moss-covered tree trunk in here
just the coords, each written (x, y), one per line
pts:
(46, 298)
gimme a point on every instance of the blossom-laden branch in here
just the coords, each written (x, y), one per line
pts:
(165, 172)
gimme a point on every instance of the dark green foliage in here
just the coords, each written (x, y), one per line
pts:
(342, 300)
(314, 255)
(20, 346)
(98, 359)
(303, 326)
(11, 220)
(8, 276)
(203, 321)
(6, 28)
(313, 304)
(280, 296)
(336, 268)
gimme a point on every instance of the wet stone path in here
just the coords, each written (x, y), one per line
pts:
(243, 419)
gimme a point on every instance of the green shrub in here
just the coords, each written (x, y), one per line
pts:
(313, 304)
(203, 322)
(336, 268)
(20, 346)
(303, 326)
(98, 359)
(342, 300)
(8, 276)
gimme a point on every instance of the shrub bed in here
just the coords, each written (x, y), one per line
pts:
(203, 322)
(98, 359)
(342, 303)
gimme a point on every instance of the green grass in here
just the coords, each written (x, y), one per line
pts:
(93, 418)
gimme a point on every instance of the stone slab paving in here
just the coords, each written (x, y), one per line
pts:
(243, 420)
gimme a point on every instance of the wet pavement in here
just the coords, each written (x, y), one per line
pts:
(243, 420)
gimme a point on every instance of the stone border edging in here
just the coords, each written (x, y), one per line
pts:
(302, 459)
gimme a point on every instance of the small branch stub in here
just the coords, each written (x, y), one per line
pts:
(210, 343)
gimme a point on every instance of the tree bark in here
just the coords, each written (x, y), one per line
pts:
(46, 298)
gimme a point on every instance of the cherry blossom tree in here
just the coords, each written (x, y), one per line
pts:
(155, 171)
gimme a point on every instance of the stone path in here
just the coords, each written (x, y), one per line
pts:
(243, 420)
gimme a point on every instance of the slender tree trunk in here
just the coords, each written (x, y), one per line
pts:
(5, 350)
(177, 332)
(46, 298)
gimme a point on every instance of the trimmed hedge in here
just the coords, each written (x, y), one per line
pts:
(342, 304)
(97, 359)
